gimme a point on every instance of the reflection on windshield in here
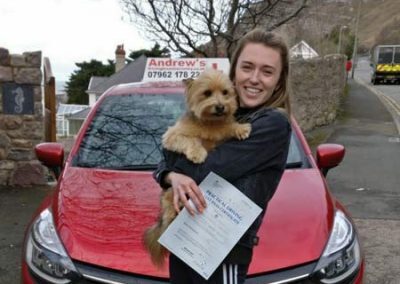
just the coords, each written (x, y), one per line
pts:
(385, 55)
(294, 159)
(126, 131)
(397, 55)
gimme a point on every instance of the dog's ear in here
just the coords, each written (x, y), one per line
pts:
(188, 82)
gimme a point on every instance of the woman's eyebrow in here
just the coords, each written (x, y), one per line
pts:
(268, 67)
(263, 66)
(247, 62)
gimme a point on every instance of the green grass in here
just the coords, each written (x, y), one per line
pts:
(341, 114)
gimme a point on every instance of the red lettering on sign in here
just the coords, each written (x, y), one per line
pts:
(153, 62)
(170, 63)
(190, 63)
(173, 63)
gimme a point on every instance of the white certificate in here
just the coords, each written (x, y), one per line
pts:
(204, 240)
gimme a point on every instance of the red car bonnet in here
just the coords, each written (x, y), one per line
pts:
(101, 215)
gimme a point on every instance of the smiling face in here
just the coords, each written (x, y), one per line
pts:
(257, 74)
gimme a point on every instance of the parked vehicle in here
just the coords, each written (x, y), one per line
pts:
(385, 63)
(89, 230)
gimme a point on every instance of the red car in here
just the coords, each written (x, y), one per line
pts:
(90, 229)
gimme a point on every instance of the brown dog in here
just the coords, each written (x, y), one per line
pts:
(211, 103)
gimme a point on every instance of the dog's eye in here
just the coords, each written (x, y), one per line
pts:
(207, 93)
(225, 92)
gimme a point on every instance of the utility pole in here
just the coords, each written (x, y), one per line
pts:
(355, 40)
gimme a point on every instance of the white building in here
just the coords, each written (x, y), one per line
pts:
(302, 50)
(124, 73)
(64, 111)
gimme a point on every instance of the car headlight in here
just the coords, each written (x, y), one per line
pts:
(341, 257)
(45, 254)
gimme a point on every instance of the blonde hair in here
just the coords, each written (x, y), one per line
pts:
(280, 96)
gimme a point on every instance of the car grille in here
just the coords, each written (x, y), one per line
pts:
(93, 274)
(303, 281)
(294, 275)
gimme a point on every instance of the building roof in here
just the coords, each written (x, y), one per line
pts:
(95, 80)
(79, 115)
(66, 109)
(132, 72)
(302, 50)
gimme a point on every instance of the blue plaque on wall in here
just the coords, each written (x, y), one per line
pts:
(18, 99)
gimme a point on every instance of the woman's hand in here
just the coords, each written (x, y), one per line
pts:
(184, 188)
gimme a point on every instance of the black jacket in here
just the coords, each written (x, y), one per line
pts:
(254, 165)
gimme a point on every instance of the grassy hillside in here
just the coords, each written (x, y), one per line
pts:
(379, 22)
(320, 23)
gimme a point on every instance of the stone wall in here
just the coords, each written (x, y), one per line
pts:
(21, 118)
(317, 86)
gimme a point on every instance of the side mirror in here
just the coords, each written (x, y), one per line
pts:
(329, 156)
(51, 155)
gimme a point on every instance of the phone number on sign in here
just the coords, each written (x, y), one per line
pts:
(172, 74)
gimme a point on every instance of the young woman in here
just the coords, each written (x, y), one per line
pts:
(259, 71)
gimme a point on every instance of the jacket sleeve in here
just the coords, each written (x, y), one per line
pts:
(160, 172)
(165, 166)
(268, 141)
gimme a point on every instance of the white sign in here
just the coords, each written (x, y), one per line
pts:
(177, 69)
(204, 240)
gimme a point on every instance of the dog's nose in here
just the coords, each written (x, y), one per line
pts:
(220, 108)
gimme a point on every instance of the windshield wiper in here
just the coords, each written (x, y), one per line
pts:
(294, 165)
(135, 167)
(84, 164)
(121, 168)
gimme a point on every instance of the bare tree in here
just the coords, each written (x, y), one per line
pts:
(208, 28)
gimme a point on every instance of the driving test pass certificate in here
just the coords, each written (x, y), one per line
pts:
(204, 240)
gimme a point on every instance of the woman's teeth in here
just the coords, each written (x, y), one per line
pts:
(252, 90)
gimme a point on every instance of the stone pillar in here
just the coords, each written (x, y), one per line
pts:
(21, 118)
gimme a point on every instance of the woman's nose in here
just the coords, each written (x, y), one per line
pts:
(254, 76)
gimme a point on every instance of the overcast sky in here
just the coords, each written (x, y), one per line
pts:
(67, 31)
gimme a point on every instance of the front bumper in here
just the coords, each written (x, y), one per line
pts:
(298, 275)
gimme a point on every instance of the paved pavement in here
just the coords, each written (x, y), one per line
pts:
(389, 94)
(17, 206)
(367, 181)
(363, 182)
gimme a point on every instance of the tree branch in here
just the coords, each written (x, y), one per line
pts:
(207, 27)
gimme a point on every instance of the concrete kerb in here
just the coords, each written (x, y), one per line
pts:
(389, 103)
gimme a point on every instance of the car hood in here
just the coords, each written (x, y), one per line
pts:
(297, 223)
(101, 216)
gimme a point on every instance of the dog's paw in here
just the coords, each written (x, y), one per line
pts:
(242, 131)
(197, 156)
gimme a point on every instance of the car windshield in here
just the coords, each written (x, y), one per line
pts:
(397, 55)
(126, 131)
(385, 55)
